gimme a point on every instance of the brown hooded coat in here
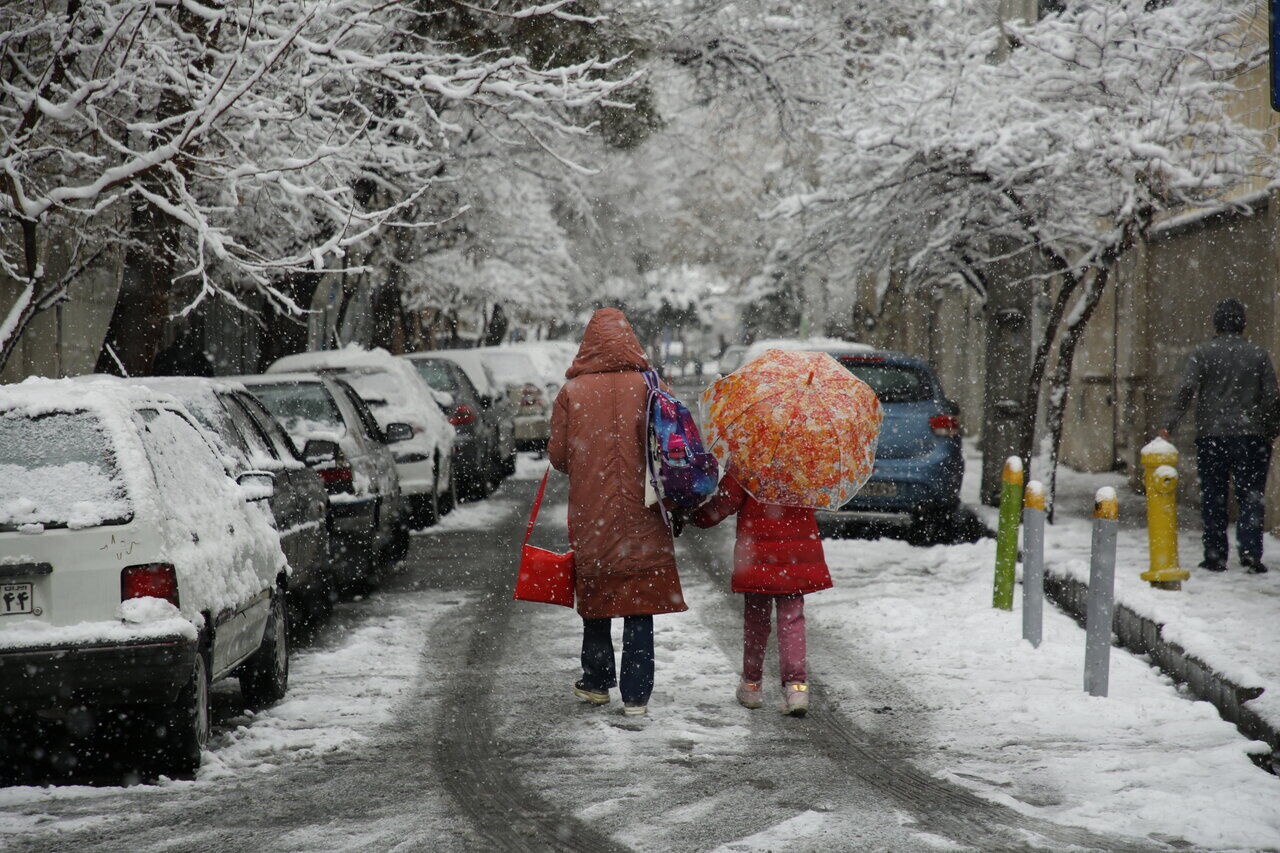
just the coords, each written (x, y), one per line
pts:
(623, 551)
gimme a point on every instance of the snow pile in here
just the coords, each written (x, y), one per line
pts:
(1013, 722)
(474, 516)
(25, 633)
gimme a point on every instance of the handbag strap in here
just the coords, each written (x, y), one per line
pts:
(537, 505)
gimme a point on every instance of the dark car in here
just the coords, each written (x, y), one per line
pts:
(497, 407)
(342, 441)
(248, 435)
(476, 446)
(919, 464)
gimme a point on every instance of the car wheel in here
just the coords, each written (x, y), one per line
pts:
(183, 729)
(937, 527)
(264, 678)
(509, 465)
(399, 544)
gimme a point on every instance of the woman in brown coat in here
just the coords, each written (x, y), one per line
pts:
(623, 551)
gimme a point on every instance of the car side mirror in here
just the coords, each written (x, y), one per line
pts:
(320, 451)
(257, 485)
(397, 432)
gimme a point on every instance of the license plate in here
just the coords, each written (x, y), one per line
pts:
(880, 490)
(15, 598)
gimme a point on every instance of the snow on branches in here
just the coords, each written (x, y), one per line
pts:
(1043, 150)
(272, 137)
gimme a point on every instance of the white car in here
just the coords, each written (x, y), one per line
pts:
(134, 571)
(527, 390)
(397, 395)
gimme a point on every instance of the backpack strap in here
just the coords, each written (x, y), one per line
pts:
(537, 505)
(651, 467)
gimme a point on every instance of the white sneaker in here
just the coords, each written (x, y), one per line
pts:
(797, 698)
(635, 709)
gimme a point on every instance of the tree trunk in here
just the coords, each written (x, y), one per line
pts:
(1004, 404)
(1061, 383)
(141, 313)
(1040, 363)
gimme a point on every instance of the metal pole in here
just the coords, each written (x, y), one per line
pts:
(1007, 536)
(1102, 578)
(1033, 564)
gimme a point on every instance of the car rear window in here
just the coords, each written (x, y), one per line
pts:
(59, 470)
(437, 376)
(893, 383)
(302, 407)
(512, 368)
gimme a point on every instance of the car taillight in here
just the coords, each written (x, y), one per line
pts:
(150, 580)
(337, 478)
(462, 415)
(530, 395)
(945, 426)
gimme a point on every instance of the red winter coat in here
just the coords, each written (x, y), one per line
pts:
(623, 553)
(779, 550)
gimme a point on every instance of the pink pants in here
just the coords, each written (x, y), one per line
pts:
(755, 636)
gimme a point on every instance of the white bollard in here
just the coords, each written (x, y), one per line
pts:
(1102, 583)
(1033, 563)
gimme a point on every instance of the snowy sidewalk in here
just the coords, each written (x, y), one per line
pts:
(1227, 622)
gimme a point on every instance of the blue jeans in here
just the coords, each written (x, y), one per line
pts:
(1245, 459)
(637, 656)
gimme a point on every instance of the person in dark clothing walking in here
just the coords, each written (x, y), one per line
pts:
(1237, 419)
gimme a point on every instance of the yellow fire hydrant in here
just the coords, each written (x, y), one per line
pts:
(1160, 474)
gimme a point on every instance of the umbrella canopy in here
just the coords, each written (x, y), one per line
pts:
(795, 428)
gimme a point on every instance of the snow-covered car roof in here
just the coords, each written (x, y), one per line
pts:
(512, 366)
(829, 345)
(552, 358)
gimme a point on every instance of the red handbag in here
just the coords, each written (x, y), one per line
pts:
(545, 576)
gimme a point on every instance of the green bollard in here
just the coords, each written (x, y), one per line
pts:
(1007, 536)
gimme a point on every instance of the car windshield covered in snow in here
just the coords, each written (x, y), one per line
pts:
(59, 470)
(302, 407)
(893, 383)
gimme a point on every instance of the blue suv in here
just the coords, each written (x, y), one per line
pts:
(919, 464)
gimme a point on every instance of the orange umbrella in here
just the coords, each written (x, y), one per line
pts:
(795, 428)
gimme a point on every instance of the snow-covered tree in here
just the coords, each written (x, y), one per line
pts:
(244, 141)
(1050, 146)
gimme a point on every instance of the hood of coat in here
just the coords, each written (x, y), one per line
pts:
(608, 346)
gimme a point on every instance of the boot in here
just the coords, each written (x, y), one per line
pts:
(749, 694)
(591, 694)
(797, 698)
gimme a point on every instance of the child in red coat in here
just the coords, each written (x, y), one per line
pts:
(777, 560)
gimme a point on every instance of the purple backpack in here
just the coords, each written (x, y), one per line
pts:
(680, 468)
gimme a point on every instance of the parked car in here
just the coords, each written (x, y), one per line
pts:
(410, 417)
(496, 406)
(731, 359)
(919, 465)
(367, 518)
(526, 390)
(475, 448)
(252, 440)
(134, 570)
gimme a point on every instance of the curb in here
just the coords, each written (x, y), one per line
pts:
(1144, 636)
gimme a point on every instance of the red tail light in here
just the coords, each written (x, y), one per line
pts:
(462, 415)
(945, 426)
(531, 395)
(337, 478)
(151, 580)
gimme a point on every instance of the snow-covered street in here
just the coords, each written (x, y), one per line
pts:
(436, 714)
